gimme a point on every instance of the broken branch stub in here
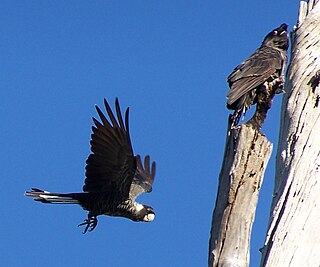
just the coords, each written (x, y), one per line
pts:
(246, 156)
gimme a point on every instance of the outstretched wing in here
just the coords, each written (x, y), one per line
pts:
(111, 165)
(254, 71)
(143, 178)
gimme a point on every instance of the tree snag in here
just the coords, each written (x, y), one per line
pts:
(246, 156)
(293, 237)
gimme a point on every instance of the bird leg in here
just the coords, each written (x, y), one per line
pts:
(278, 84)
(90, 223)
(234, 119)
(264, 101)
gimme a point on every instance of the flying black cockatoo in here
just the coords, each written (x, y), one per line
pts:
(258, 78)
(114, 175)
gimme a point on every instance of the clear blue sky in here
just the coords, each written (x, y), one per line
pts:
(168, 61)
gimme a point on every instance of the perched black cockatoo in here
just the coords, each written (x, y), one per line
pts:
(114, 175)
(262, 73)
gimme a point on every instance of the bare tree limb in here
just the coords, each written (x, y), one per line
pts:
(293, 238)
(246, 156)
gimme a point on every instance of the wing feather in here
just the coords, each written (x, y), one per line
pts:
(254, 71)
(143, 178)
(111, 165)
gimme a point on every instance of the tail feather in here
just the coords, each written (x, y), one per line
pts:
(53, 198)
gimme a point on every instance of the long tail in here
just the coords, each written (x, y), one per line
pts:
(54, 198)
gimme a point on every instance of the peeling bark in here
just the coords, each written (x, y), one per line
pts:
(246, 156)
(293, 237)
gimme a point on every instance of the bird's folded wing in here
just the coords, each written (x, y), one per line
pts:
(253, 72)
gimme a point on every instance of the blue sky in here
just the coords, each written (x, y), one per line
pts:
(168, 61)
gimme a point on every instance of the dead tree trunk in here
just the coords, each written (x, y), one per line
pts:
(293, 237)
(246, 156)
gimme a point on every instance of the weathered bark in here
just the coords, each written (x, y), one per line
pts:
(293, 237)
(246, 156)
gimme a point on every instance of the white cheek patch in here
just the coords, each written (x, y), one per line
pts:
(149, 217)
(139, 207)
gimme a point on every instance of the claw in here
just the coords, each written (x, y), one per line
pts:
(90, 223)
(278, 84)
